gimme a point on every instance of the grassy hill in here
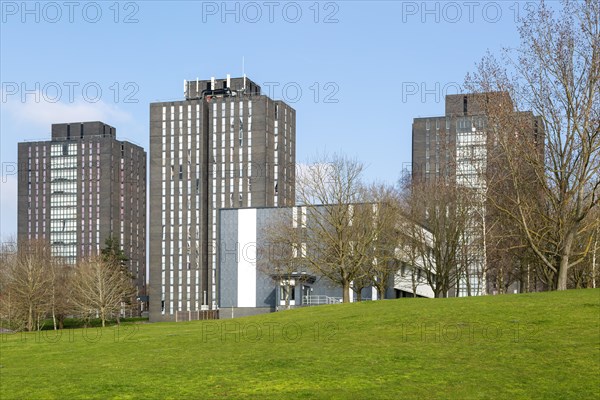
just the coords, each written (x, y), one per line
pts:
(533, 346)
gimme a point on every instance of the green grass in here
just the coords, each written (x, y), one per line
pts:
(533, 346)
(71, 323)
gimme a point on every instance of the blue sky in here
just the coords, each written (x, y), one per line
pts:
(356, 72)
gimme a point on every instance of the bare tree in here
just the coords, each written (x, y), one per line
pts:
(503, 249)
(281, 255)
(438, 216)
(385, 219)
(365, 245)
(342, 229)
(99, 287)
(585, 274)
(408, 254)
(59, 301)
(595, 256)
(556, 73)
(113, 255)
(26, 286)
(6, 262)
(510, 260)
(330, 189)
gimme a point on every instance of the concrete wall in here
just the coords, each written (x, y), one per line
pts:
(243, 282)
(101, 211)
(236, 166)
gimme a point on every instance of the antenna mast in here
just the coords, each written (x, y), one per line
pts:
(244, 72)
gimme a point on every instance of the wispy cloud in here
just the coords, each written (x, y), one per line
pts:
(31, 120)
(35, 118)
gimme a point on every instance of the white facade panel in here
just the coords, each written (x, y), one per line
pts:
(246, 263)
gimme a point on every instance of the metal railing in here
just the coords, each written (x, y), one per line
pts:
(198, 315)
(316, 300)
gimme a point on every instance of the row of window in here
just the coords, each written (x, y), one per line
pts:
(63, 162)
(462, 123)
(63, 225)
(63, 149)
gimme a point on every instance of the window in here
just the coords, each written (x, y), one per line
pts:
(303, 211)
(284, 292)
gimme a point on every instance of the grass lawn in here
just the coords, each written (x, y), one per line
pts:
(531, 346)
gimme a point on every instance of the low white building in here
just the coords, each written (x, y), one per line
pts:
(247, 286)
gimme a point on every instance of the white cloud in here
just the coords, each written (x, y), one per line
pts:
(31, 120)
(37, 117)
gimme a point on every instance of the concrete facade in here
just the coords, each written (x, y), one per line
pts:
(455, 148)
(247, 285)
(224, 145)
(81, 187)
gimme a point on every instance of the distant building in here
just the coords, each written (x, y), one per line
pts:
(455, 149)
(223, 145)
(81, 187)
(247, 284)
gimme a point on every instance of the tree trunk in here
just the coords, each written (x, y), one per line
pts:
(346, 293)
(594, 261)
(53, 313)
(468, 280)
(287, 297)
(380, 293)
(413, 277)
(30, 318)
(563, 275)
(561, 283)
